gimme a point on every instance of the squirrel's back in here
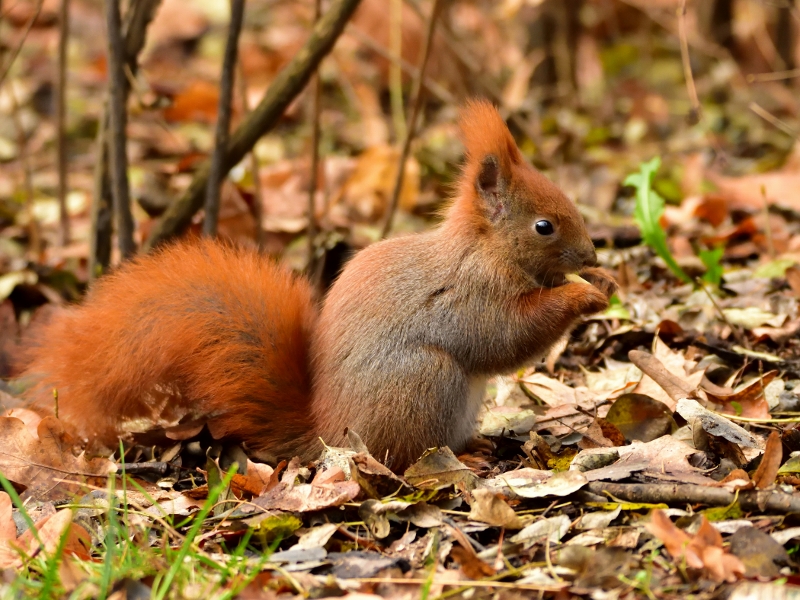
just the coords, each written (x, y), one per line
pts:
(199, 331)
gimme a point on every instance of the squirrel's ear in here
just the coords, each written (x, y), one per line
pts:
(490, 183)
(488, 179)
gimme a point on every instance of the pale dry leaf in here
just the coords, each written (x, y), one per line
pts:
(715, 424)
(552, 529)
(490, 508)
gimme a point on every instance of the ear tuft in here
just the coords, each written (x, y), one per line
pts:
(484, 132)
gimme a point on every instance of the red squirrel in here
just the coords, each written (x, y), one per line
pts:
(203, 332)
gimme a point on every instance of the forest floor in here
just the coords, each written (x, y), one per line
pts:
(657, 455)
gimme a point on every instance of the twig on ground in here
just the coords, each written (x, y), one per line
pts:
(655, 369)
(766, 501)
(118, 118)
(773, 75)
(411, 125)
(149, 468)
(316, 100)
(215, 174)
(61, 122)
(284, 89)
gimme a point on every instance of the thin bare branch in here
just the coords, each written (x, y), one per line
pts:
(257, 208)
(118, 118)
(139, 15)
(61, 122)
(412, 121)
(687, 64)
(223, 119)
(314, 179)
(284, 89)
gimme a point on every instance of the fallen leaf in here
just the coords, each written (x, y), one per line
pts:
(716, 424)
(641, 417)
(472, 566)
(750, 398)
(767, 470)
(489, 507)
(46, 466)
(701, 551)
(439, 468)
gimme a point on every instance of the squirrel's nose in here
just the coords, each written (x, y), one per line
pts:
(588, 256)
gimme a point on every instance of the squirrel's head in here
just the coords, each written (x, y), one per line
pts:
(524, 215)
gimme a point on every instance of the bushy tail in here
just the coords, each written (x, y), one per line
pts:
(197, 332)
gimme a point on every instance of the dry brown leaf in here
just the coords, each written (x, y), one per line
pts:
(701, 551)
(750, 398)
(489, 507)
(196, 102)
(601, 434)
(366, 193)
(308, 497)
(46, 466)
(472, 566)
(767, 471)
(675, 363)
(50, 530)
(8, 530)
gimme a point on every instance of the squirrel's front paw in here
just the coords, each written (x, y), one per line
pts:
(601, 279)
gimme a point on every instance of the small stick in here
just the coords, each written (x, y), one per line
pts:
(61, 122)
(215, 173)
(655, 369)
(412, 122)
(139, 15)
(689, 493)
(773, 120)
(118, 117)
(395, 72)
(441, 93)
(22, 41)
(687, 65)
(316, 100)
(773, 76)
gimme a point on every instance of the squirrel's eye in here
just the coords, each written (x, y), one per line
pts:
(543, 227)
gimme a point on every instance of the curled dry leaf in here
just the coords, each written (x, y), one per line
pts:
(767, 471)
(703, 551)
(716, 424)
(751, 398)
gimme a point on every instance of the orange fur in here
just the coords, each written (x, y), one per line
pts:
(196, 331)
